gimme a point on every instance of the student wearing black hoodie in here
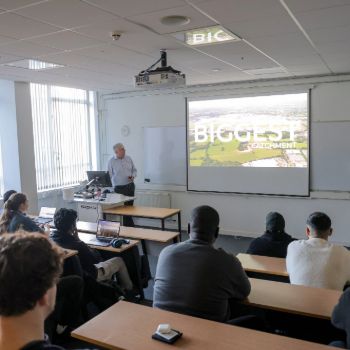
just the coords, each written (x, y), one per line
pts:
(66, 236)
(274, 241)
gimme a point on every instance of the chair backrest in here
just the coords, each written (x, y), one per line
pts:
(72, 266)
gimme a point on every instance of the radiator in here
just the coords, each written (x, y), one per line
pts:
(153, 199)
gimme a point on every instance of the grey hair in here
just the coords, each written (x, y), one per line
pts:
(118, 146)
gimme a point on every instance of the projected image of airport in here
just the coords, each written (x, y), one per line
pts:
(259, 131)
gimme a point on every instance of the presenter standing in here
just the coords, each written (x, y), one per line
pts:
(122, 172)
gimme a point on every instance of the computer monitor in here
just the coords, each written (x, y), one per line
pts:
(99, 178)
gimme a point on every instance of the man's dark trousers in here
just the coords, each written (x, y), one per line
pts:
(127, 190)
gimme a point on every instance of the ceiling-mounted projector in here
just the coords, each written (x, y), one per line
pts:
(162, 76)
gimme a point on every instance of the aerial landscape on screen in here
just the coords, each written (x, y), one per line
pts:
(257, 131)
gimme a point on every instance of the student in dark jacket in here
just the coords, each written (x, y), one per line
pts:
(14, 217)
(341, 319)
(66, 236)
(274, 242)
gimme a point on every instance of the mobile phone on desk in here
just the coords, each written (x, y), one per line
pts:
(169, 338)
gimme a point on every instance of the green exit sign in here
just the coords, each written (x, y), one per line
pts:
(210, 35)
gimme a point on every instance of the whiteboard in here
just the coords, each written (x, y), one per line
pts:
(165, 155)
(330, 156)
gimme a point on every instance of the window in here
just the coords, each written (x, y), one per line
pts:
(62, 140)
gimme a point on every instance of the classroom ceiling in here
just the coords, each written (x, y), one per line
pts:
(280, 38)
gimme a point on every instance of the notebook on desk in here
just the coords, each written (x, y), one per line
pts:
(106, 232)
(46, 215)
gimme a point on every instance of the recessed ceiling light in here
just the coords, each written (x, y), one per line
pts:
(33, 64)
(216, 70)
(263, 71)
(206, 36)
(175, 20)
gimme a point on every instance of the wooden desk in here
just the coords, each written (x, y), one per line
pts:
(263, 264)
(85, 237)
(146, 212)
(126, 326)
(300, 300)
(133, 232)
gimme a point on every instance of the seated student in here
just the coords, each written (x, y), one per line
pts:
(29, 270)
(274, 241)
(7, 195)
(316, 262)
(194, 278)
(341, 319)
(14, 218)
(66, 235)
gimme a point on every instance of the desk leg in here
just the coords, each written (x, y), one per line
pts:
(144, 248)
(179, 223)
(163, 224)
(138, 272)
(121, 220)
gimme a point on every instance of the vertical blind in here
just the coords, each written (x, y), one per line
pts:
(61, 128)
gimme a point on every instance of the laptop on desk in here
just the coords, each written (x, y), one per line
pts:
(106, 232)
(45, 216)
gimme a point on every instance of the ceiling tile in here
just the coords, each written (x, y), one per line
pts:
(324, 18)
(83, 62)
(228, 11)
(302, 5)
(119, 55)
(6, 40)
(102, 29)
(239, 54)
(27, 49)
(325, 35)
(65, 13)
(5, 58)
(135, 7)
(133, 36)
(189, 56)
(340, 47)
(263, 26)
(16, 4)
(152, 20)
(66, 40)
(339, 62)
(19, 27)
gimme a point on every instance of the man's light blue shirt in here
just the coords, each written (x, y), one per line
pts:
(120, 170)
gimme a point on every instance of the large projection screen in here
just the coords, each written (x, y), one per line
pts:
(255, 144)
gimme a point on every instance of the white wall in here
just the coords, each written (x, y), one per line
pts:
(8, 136)
(26, 144)
(240, 214)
